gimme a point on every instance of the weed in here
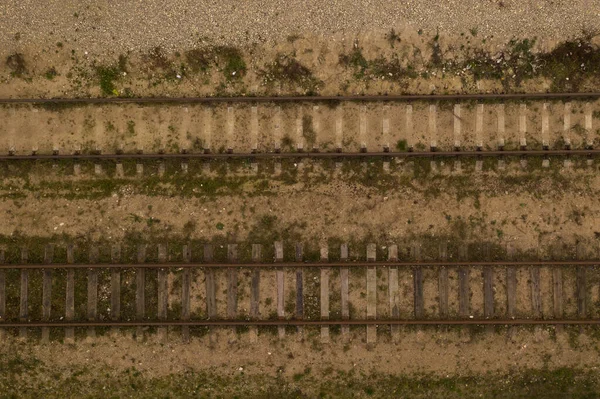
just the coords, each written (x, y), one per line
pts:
(292, 38)
(401, 145)
(199, 59)
(131, 128)
(390, 69)
(570, 64)
(288, 70)
(355, 60)
(51, 73)
(392, 37)
(122, 63)
(16, 63)
(436, 59)
(232, 60)
(378, 68)
(158, 59)
(107, 76)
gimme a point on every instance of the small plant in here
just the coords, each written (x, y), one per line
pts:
(292, 38)
(135, 218)
(392, 37)
(152, 221)
(51, 73)
(355, 60)
(287, 142)
(107, 76)
(436, 59)
(157, 59)
(199, 59)
(123, 63)
(220, 226)
(401, 145)
(234, 65)
(287, 69)
(131, 128)
(16, 63)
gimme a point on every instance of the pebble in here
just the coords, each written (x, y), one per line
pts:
(100, 27)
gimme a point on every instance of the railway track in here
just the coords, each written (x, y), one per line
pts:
(401, 126)
(378, 295)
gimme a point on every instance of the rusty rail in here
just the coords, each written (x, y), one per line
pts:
(237, 323)
(284, 99)
(301, 155)
(349, 263)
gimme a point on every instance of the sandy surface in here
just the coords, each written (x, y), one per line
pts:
(121, 26)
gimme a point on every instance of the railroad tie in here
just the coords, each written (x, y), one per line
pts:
(255, 291)
(92, 289)
(344, 289)
(279, 281)
(185, 293)
(163, 291)
(299, 288)
(70, 295)
(324, 282)
(371, 293)
(115, 286)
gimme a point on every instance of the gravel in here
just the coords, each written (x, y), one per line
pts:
(118, 26)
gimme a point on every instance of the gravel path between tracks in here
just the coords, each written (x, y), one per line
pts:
(133, 26)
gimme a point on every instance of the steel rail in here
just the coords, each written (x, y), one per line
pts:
(242, 323)
(284, 99)
(301, 155)
(350, 263)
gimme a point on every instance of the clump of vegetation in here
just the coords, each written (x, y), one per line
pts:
(157, 59)
(570, 64)
(51, 73)
(378, 68)
(401, 145)
(199, 59)
(16, 64)
(355, 60)
(437, 58)
(107, 76)
(392, 37)
(123, 62)
(392, 69)
(231, 61)
(293, 37)
(288, 70)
